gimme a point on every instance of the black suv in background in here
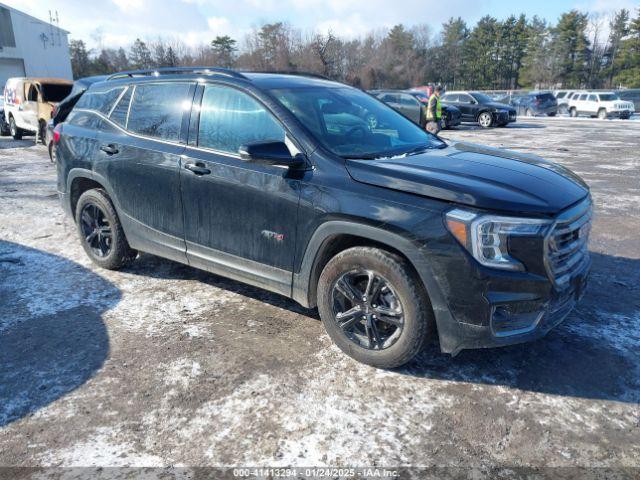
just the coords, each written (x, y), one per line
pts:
(412, 104)
(479, 108)
(536, 103)
(285, 182)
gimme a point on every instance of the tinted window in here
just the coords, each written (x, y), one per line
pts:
(583, 96)
(464, 98)
(450, 97)
(230, 118)
(545, 97)
(561, 95)
(389, 97)
(592, 98)
(608, 97)
(157, 110)
(351, 124)
(119, 113)
(408, 101)
(83, 119)
(101, 101)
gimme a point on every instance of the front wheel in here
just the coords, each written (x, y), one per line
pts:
(16, 133)
(602, 114)
(485, 119)
(100, 231)
(374, 307)
(573, 112)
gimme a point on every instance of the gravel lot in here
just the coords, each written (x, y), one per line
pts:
(162, 364)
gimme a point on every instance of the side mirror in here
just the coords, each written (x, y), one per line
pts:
(270, 153)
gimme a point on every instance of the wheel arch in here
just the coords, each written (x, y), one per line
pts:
(334, 236)
(79, 181)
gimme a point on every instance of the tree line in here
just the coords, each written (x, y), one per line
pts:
(517, 52)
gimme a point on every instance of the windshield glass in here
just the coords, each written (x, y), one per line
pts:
(352, 124)
(53, 92)
(608, 97)
(482, 98)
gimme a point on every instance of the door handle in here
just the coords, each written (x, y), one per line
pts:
(197, 168)
(110, 149)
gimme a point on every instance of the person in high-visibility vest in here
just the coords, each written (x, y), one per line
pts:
(434, 111)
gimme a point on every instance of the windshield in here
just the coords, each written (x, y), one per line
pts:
(608, 97)
(352, 124)
(53, 92)
(482, 98)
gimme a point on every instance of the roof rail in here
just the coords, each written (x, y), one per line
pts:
(292, 72)
(156, 72)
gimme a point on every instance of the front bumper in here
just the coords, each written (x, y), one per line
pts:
(619, 113)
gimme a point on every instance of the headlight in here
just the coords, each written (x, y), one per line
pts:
(486, 237)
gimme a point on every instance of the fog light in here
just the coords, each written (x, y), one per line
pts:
(515, 318)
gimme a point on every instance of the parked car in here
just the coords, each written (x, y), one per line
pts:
(4, 126)
(631, 95)
(536, 103)
(562, 97)
(412, 104)
(29, 103)
(479, 108)
(600, 104)
(396, 235)
(62, 109)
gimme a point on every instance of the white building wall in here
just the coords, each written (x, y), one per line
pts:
(41, 57)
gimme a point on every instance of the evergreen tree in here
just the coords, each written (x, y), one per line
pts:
(224, 51)
(618, 30)
(140, 56)
(79, 58)
(536, 68)
(570, 48)
(628, 62)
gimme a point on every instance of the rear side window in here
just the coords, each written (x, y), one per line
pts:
(561, 95)
(230, 119)
(583, 96)
(451, 97)
(592, 98)
(100, 101)
(157, 110)
(119, 113)
(545, 96)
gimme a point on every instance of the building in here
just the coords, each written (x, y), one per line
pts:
(30, 47)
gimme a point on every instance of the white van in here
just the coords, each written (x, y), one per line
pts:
(29, 103)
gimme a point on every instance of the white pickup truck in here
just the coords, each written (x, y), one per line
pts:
(599, 104)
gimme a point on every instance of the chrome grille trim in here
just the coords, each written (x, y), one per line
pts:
(566, 244)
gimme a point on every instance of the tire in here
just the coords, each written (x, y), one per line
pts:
(52, 152)
(573, 112)
(16, 133)
(401, 289)
(551, 114)
(602, 114)
(119, 252)
(42, 132)
(528, 113)
(485, 120)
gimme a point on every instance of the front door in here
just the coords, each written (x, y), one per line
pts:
(240, 218)
(468, 107)
(28, 111)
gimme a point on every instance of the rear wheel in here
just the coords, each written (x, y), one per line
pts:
(16, 133)
(374, 307)
(485, 119)
(573, 112)
(100, 231)
(42, 132)
(551, 114)
(52, 152)
(528, 113)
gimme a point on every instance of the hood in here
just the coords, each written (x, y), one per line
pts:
(478, 176)
(499, 106)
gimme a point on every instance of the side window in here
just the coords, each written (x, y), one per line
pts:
(101, 101)
(450, 97)
(83, 119)
(408, 100)
(32, 92)
(157, 109)
(119, 112)
(592, 98)
(583, 96)
(464, 99)
(230, 118)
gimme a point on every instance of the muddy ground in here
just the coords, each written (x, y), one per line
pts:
(162, 364)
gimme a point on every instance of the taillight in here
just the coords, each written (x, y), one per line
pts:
(56, 133)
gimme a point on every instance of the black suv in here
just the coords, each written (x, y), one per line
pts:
(413, 103)
(280, 181)
(477, 107)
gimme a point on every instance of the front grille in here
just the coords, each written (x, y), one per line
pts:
(567, 243)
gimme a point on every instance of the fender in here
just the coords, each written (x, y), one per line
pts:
(91, 175)
(302, 287)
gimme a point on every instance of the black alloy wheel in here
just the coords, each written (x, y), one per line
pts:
(96, 230)
(367, 309)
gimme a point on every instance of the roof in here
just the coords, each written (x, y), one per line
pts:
(19, 12)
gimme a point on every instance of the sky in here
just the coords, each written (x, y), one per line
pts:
(115, 23)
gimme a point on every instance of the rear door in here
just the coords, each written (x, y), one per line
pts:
(591, 105)
(240, 217)
(467, 106)
(141, 157)
(410, 107)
